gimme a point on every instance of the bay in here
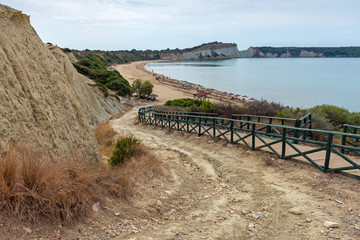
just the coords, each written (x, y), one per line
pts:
(297, 82)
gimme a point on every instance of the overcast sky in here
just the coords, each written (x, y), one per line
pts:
(161, 24)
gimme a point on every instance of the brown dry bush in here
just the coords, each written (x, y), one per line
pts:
(35, 190)
(105, 137)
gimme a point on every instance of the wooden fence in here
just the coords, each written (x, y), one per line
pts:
(283, 140)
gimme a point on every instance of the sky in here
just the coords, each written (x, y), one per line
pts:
(162, 24)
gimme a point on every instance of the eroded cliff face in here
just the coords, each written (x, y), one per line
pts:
(44, 102)
(252, 52)
(207, 52)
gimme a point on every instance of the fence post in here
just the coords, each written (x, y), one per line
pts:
(343, 138)
(214, 126)
(283, 144)
(187, 123)
(232, 132)
(199, 134)
(310, 126)
(328, 152)
(268, 128)
(178, 124)
(253, 137)
(296, 132)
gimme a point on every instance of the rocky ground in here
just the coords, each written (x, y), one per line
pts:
(214, 190)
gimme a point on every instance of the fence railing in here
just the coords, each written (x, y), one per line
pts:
(186, 113)
(284, 142)
(304, 122)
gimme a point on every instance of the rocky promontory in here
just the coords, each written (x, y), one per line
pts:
(209, 51)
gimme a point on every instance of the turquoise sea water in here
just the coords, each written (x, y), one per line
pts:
(298, 82)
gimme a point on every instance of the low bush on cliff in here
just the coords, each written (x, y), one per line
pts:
(124, 150)
(95, 67)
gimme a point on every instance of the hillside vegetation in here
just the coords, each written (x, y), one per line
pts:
(126, 56)
(96, 68)
(324, 51)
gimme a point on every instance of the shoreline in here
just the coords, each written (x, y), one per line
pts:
(170, 89)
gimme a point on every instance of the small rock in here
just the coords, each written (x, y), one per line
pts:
(117, 214)
(338, 201)
(27, 230)
(206, 196)
(296, 211)
(330, 224)
(244, 211)
(96, 207)
(251, 225)
(257, 217)
(307, 220)
(350, 209)
(237, 199)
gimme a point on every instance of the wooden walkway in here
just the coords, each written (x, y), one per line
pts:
(286, 142)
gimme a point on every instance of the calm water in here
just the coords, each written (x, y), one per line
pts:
(299, 82)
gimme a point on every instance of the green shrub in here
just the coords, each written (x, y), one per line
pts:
(193, 105)
(292, 113)
(336, 115)
(353, 119)
(85, 62)
(322, 123)
(207, 106)
(123, 151)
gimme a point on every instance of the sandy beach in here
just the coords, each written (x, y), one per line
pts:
(169, 89)
(135, 70)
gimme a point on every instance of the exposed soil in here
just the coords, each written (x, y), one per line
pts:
(214, 190)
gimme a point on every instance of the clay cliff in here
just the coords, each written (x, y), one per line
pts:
(287, 52)
(44, 102)
(208, 51)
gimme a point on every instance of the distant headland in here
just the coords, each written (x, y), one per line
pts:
(214, 50)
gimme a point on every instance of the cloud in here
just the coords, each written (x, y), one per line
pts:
(163, 23)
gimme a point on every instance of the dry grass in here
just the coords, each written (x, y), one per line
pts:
(35, 190)
(105, 136)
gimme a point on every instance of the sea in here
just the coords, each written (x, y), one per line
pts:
(295, 82)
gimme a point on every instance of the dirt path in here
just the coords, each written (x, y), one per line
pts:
(219, 191)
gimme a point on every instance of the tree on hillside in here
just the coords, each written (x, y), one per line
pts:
(143, 89)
